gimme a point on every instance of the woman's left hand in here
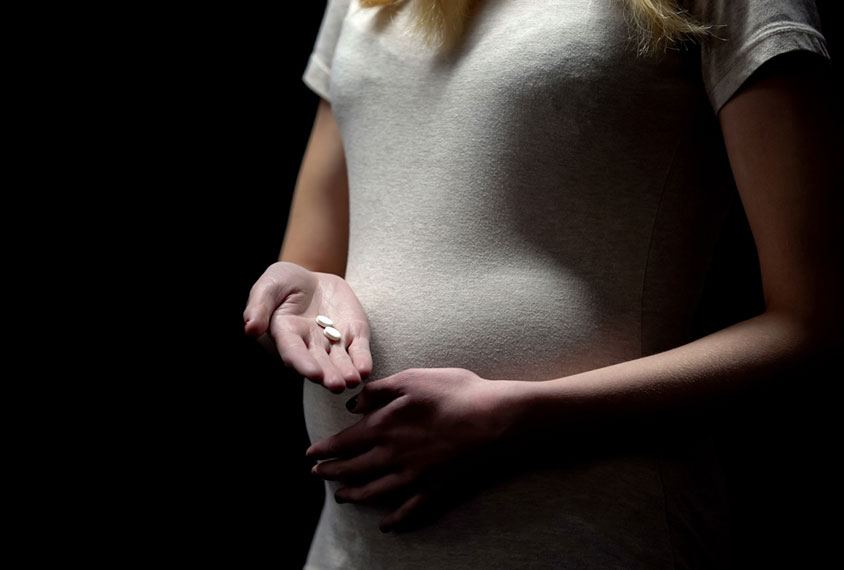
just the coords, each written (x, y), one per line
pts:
(420, 429)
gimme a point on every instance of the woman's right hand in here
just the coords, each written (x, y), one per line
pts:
(285, 302)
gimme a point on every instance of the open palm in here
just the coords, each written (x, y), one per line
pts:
(285, 302)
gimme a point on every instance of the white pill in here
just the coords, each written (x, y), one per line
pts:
(324, 321)
(332, 333)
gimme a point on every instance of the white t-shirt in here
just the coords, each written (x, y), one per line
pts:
(539, 203)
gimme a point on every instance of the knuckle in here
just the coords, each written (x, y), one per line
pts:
(413, 375)
(382, 424)
(394, 383)
(401, 404)
(377, 422)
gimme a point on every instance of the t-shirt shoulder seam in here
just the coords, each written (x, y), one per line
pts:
(769, 31)
(763, 34)
(780, 28)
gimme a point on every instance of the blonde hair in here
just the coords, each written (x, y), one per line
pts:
(658, 23)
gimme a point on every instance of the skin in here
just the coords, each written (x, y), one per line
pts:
(320, 200)
(307, 280)
(420, 430)
(286, 300)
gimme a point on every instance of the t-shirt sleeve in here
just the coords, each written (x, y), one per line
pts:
(317, 73)
(747, 34)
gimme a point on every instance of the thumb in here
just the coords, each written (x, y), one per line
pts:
(272, 288)
(256, 317)
(264, 297)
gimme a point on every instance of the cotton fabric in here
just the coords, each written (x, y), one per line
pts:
(543, 168)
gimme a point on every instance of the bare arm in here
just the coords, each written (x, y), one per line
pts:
(784, 146)
(317, 235)
(286, 298)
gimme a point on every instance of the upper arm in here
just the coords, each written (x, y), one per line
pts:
(317, 235)
(783, 138)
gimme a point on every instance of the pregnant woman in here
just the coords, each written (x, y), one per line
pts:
(507, 221)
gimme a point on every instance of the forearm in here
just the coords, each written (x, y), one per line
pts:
(676, 382)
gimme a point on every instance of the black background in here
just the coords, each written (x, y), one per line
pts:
(232, 483)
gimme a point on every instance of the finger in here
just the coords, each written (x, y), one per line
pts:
(267, 343)
(354, 440)
(331, 377)
(374, 491)
(359, 469)
(296, 355)
(361, 355)
(403, 513)
(341, 360)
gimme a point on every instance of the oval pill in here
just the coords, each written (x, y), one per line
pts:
(332, 333)
(324, 321)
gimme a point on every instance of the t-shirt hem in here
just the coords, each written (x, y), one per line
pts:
(317, 77)
(768, 43)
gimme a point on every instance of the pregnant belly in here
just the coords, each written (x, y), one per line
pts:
(515, 323)
(520, 323)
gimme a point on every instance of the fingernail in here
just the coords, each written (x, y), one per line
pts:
(350, 405)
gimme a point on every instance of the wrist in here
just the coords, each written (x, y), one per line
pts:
(576, 413)
(537, 417)
(518, 412)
